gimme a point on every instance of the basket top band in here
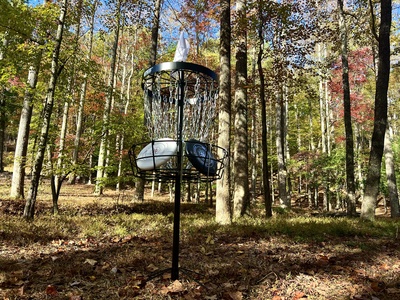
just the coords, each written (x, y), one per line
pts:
(180, 65)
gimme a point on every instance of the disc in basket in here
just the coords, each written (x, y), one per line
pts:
(201, 157)
(156, 153)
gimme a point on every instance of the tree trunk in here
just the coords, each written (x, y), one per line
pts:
(3, 126)
(21, 147)
(280, 149)
(350, 181)
(240, 147)
(253, 102)
(140, 184)
(223, 213)
(58, 176)
(391, 176)
(380, 114)
(82, 98)
(29, 210)
(3, 115)
(154, 33)
(264, 134)
(101, 172)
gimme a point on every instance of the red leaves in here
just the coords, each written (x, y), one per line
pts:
(360, 62)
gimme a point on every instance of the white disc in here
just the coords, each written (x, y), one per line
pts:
(156, 154)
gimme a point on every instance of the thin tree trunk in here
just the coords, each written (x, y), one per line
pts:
(101, 172)
(350, 181)
(380, 115)
(82, 98)
(240, 147)
(154, 32)
(391, 176)
(223, 213)
(254, 135)
(140, 184)
(29, 210)
(280, 149)
(59, 175)
(322, 106)
(264, 133)
(3, 115)
(311, 126)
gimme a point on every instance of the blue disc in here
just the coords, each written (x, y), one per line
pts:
(201, 158)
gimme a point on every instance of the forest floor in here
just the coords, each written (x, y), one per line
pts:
(110, 248)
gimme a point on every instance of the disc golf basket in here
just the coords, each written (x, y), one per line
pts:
(179, 102)
(180, 109)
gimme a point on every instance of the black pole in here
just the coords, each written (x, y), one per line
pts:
(178, 180)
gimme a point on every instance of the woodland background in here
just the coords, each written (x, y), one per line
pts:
(71, 102)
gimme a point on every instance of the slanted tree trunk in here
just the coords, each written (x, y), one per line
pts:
(350, 181)
(240, 147)
(380, 114)
(21, 147)
(391, 175)
(101, 172)
(223, 212)
(29, 210)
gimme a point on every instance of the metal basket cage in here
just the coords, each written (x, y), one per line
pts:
(204, 166)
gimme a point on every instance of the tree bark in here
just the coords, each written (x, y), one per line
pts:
(82, 97)
(154, 33)
(264, 133)
(240, 147)
(21, 147)
(3, 115)
(223, 212)
(140, 184)
(280, 150)
(380, 114)
(350, 181)
(391, 176)
(29, 210)
(101, 172)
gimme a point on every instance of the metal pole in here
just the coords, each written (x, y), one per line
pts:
(178, 180)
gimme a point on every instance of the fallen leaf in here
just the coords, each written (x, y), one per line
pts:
(21, 290)
(233, 296)
(210, 240)
(51, 290)
(384, 267)
(299, 295)
(393, 291)
(176, 287)
(377, 286)
(75, 283)
(91, 262)
(151, 268)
